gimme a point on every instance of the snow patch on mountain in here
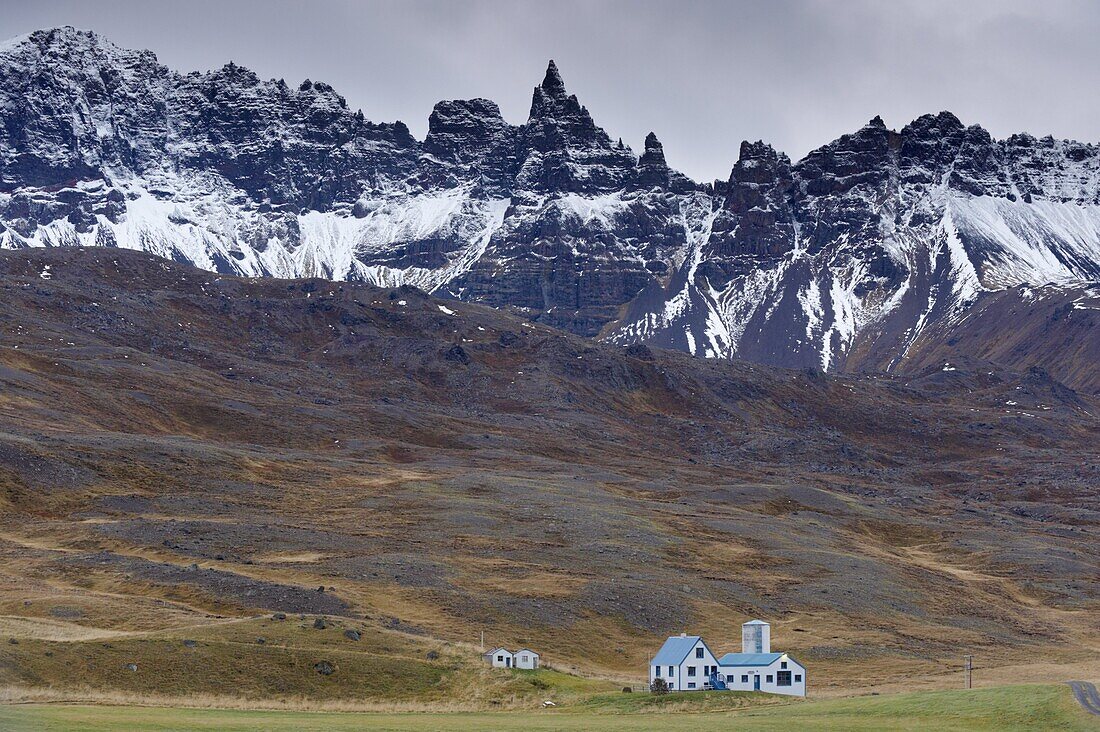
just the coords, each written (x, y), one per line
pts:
(1041, 242)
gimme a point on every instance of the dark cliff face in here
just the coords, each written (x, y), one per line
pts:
(471, 141)
(56, 85)
(78, 109)
(299, 147)
(844, 258)
(756, 221)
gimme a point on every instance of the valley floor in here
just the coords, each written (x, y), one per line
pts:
(1031, 707)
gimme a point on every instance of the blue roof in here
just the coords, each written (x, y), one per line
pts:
(749, 659)
(675, 650)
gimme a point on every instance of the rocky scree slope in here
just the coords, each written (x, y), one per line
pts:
(456, 468)
(864, 253)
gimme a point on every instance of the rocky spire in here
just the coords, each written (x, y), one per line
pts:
(552, 83)
(652, 168)
(550, 99)
(563, 149)
(654, 152)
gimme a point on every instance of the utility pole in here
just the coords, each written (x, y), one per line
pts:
(483, 641)
(968, 667)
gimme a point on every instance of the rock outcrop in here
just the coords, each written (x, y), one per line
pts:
(849, 257)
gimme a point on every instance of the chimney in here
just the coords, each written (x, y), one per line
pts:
(683, 635)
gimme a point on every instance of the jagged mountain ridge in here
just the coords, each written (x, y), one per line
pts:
(855, 256)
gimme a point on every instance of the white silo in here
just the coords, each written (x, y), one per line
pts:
(756, 637)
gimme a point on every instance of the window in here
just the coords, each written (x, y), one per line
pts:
(769, 678)
(783, 678)
(782, 664)
(656, 670)
(691, 684)
(699, 652)
(798, 678)
(671, 670)
(744, 678)
(691, 670)
(500, 659)
(524, 659)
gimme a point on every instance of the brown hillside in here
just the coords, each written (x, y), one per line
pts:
(175, 445)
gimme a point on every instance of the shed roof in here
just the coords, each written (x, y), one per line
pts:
(755, 622)
(675, 650)
(496, 650)
(525, 650)
(750, 659)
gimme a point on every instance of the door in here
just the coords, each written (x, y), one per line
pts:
(756, 682)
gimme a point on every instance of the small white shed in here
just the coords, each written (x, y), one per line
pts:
(500, 658)
(525, 658)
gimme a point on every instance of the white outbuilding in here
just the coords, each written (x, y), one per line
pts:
(499, 658)
(525, 658)
(775, 673)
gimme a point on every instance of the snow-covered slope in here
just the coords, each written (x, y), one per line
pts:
(855, 251)
(853, 256)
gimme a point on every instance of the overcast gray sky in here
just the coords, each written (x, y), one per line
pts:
(702, 75)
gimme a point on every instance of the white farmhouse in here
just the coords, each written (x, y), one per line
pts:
(499, 658)
(525, 658)
(687, 664)
(684, 662)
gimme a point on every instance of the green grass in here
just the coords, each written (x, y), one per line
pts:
(641, 703)
(1033, 707)
(1001, 708)
(549, 683)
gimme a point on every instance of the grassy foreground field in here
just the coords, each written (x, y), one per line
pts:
(1038, 707)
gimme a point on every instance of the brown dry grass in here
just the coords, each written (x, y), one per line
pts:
(868, 518)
